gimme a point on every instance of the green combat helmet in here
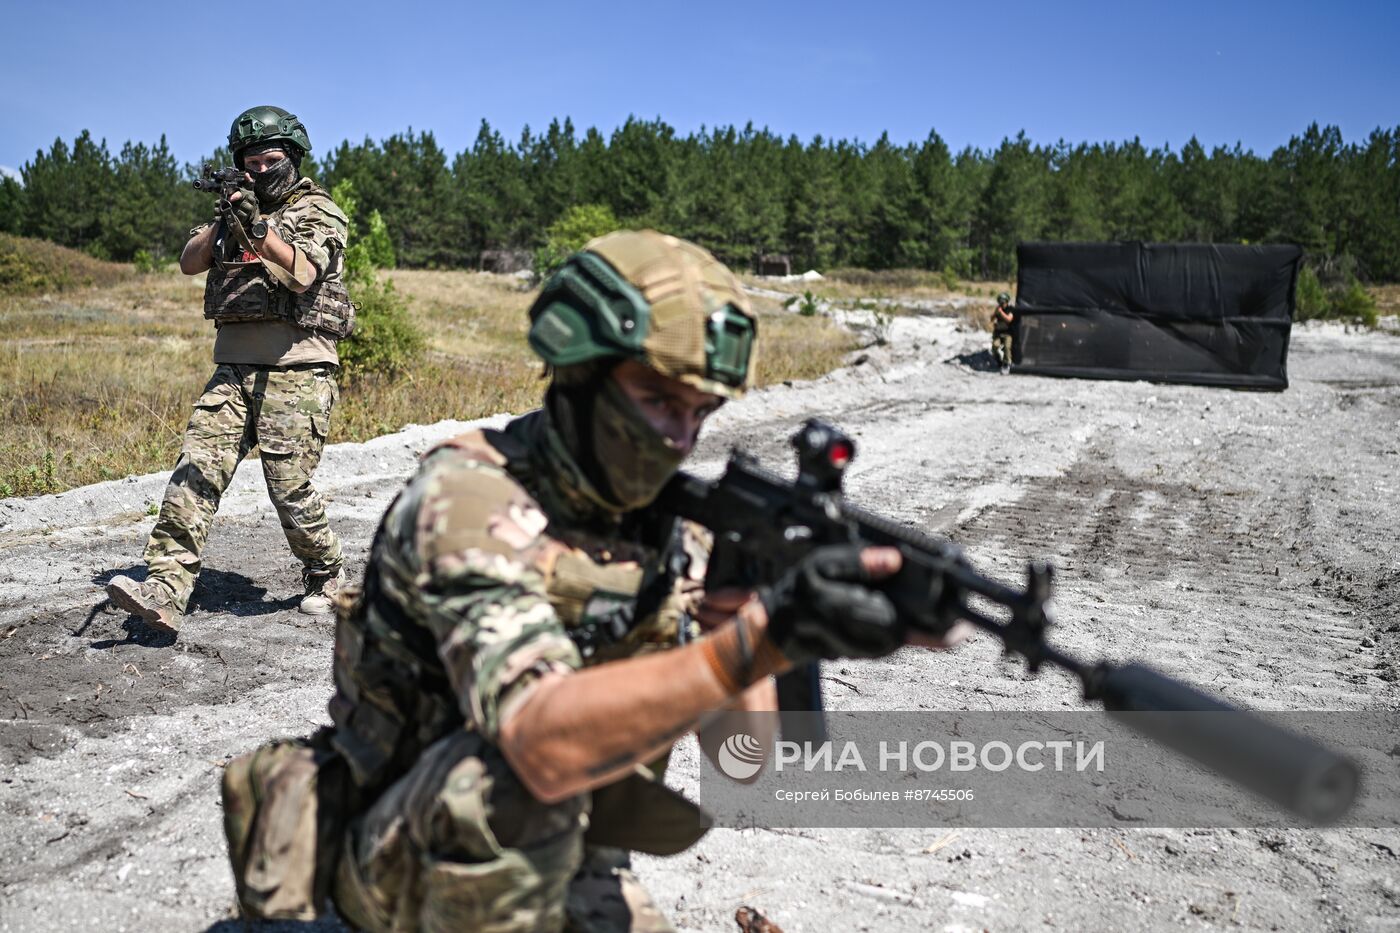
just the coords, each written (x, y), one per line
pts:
(267, 124)
(656, 299)
(1004, 298)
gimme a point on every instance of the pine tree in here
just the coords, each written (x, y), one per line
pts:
(68, 192)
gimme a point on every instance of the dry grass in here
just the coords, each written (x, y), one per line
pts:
(850, 285)
(30, 267)
(858, 288)
(96, 383)
(1387, 298)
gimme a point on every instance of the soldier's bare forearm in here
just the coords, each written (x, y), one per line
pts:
(762, 697)
(275, 249)
(198, 254)
(580, 731)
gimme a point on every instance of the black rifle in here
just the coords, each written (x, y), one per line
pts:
(225, 182)
(763, 524)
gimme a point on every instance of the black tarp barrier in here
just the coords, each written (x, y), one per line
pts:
(1167, 312)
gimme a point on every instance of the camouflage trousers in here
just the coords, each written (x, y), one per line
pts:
(1001, 348)
(458, 843)
(286, 413)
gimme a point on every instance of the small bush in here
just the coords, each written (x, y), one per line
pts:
(949, 278)
(33, 480)
(1310, 297)
(567, 235)
(143, 262)
(1352, 303)
(881, 320)
(1346, 300)
(809, 306)
(385, 340)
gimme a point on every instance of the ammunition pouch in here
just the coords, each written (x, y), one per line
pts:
(286, 805)
(640, 813)
(325, 307)
(239, 292)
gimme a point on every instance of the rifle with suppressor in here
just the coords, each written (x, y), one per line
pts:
(764, 524)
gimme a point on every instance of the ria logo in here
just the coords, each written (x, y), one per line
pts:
(741, 756)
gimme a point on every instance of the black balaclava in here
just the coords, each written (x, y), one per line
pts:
(274, 184)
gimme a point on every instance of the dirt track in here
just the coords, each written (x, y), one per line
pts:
(1245, 541)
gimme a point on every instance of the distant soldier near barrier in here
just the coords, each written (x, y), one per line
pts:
(533, 636)
(1001, 331)
(274, 254)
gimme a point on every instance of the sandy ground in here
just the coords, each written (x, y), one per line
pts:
(1244, 541)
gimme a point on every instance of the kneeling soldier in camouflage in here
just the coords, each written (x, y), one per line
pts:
(532, 634)
(274, 291)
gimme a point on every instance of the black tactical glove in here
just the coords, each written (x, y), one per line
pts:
(823, 608)
(245, 209)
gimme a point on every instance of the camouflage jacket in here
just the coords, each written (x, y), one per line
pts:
(241, 288)
(496, 564)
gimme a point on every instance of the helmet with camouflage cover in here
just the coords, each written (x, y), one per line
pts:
(653, 298)
(1004, 298)
(267, 124)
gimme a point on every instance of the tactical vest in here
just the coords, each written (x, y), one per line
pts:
(615, 598)
(238, 292)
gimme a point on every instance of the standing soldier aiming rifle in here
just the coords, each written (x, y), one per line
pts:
(274, 255)
(1001, 332)
(523, 648)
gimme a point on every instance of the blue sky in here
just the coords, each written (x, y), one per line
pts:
(1224, 71)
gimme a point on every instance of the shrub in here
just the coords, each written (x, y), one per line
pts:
(33, 480)
(1310, 297)
(143, 262)
(1352, 303)
(567, 235)
(386, 342)
(950, 278)
(881, 320)
(1345, 300)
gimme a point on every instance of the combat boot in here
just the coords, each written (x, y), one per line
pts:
(319, 589)
(146, 600)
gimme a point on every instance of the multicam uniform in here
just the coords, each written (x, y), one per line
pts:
(1001, 337)
(502, 560)
(494, 566)
(274, 387)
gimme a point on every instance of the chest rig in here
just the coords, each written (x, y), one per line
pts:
(614, 594)
(615, 597)
(240, 288)
(613, 587)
